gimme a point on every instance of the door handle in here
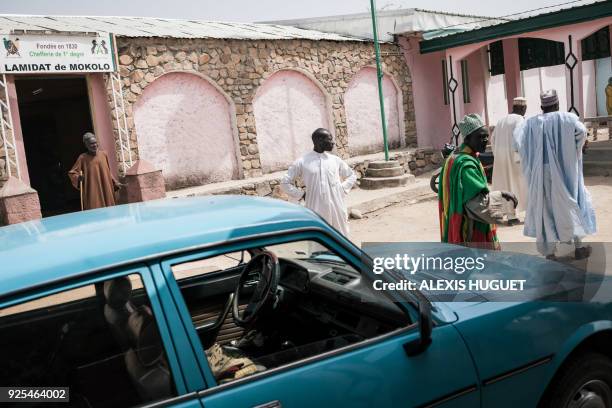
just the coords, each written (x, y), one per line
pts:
(271, 404)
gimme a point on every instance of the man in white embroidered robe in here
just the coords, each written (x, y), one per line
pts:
(327, 180)
(559, 207)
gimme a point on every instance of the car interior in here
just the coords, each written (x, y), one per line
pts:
(266, 308)
(286, 303)
(101, 341)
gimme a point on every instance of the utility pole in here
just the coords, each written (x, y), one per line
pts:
(380, 78)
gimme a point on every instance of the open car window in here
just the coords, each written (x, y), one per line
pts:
(101, 341)
(319, 303)
(214, 264)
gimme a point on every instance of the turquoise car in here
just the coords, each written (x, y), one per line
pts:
(247, 302)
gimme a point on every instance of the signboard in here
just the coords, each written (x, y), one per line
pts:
(44, 54)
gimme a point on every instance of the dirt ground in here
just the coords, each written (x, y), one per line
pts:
(419, 222)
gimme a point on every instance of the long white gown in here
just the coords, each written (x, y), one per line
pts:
(507, 173)
(322, 175)
(559, 208)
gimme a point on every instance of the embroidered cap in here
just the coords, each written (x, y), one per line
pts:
(520, 101)
(470, 124)
(549, 98)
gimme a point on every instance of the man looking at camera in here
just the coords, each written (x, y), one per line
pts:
(327, 180)
(91, 174)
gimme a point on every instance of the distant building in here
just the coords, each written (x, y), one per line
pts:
(464, 64)
(204, 102)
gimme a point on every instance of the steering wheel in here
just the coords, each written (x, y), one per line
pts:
(265, 265)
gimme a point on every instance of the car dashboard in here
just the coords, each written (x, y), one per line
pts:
(337, 294)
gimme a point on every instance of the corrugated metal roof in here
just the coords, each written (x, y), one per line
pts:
(161, 27)
(390, 22)
(535, 20)
(488, 22)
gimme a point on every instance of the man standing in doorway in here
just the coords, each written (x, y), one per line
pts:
(468, 211)
(327, 180)
(507, 174)
(559, 208)
(92, 175)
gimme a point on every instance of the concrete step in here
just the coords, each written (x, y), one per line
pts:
(381, 164)
(598, 155)
(389, 172)
(371, 183)
(597, 168)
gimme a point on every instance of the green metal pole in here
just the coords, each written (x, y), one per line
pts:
(380, 78)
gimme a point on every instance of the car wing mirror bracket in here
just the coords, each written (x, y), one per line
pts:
(420, 344)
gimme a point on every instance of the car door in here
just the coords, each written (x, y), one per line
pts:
(76, 335)
(375, 372)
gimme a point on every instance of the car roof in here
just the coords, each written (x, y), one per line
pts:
(42, 251)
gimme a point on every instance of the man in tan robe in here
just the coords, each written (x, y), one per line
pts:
(92, 172)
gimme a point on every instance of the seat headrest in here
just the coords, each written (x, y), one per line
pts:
(144, 335)
(118, 292)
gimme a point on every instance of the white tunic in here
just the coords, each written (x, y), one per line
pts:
(560, 206)
(507, 173)
(322, 175)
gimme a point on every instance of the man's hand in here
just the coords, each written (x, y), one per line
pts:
(510, 197)
(117, 185)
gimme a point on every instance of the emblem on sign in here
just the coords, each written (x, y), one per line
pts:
(98, 48)
(12, 47)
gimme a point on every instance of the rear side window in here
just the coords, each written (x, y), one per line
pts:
(99, 340)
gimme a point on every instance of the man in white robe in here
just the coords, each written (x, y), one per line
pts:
(559, 207)
(327, 180)
(507, 173)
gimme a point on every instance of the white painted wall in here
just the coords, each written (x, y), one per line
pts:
(497, 103)
(588, 88)
(554, 78)
(184, 126)
(536, 80)
(603, 69)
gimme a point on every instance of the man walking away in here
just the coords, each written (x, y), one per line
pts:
(559, 208)
(468, 211)
(507, 173)
(327, 180)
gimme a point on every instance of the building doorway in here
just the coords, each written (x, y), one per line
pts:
(54, 114)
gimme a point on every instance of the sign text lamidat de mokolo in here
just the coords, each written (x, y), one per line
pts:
(26, 54)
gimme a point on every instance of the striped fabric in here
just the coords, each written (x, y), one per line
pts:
(461, 179)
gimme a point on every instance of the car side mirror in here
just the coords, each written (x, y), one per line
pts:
(419, 345)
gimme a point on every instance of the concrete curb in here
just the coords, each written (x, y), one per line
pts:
(416, 193)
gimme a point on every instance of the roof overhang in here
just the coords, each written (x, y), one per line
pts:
(550, 20)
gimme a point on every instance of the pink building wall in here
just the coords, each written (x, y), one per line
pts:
(288, 107)
(432, 116)
(424, 66)
(184, 126)
(362, 107)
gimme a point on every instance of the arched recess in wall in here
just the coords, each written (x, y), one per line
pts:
(288, 107)
(186, 127)
(362, 109)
